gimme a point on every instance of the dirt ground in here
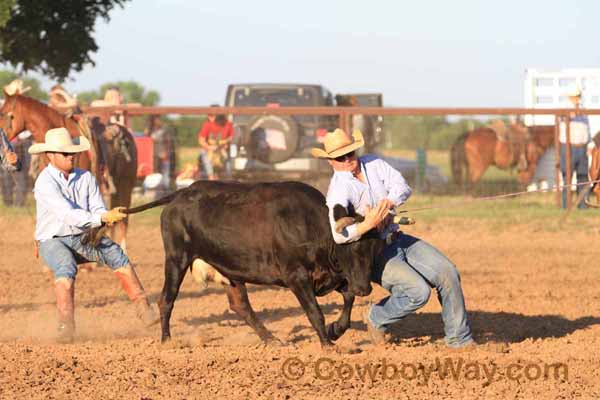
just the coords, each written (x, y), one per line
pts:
(533, 298)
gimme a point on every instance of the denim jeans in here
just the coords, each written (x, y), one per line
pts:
(579, 165)
(408, 269)
(62, 254)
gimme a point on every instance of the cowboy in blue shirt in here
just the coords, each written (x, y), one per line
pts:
(68, 203)
(408, 267)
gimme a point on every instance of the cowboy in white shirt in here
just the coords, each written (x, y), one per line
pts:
(580, 139)
(68, 203)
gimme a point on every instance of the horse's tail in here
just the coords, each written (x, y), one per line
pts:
(458, 158)
(162, 201)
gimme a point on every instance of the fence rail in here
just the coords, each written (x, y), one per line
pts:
(344, 114)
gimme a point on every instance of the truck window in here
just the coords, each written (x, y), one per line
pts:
(280, 97)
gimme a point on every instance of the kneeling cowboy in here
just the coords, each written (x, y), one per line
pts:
(69, 202)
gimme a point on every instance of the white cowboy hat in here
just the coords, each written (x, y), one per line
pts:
(574, 91)
(59, 140)
(16, 87)
(338, 143)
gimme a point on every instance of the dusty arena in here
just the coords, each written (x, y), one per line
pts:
(532, 292)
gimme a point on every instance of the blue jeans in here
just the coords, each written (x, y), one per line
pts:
(579, 165)
(408, 269)
(62, 254)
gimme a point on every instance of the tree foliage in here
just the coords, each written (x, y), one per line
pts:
(53, 37)
(36, 91)
(427, 132)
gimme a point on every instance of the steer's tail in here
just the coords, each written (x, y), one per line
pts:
(163, 200)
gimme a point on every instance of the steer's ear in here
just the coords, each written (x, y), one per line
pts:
(342, 217)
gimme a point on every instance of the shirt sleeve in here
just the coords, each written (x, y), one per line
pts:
(49, 195)
(395, 184)
(203, 132)
(335, 196)
(95, 201)
(228, 133)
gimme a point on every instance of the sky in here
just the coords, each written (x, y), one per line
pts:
(460, 53)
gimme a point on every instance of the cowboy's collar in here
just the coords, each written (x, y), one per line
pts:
(58, 174)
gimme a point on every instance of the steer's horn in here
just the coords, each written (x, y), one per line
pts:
(343, 222)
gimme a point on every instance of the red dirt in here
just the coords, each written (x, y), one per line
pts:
(533, 299)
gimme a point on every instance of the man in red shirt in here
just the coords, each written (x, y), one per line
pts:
(214, 138)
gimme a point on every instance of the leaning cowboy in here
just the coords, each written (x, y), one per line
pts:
(68, 203)
(408, 267)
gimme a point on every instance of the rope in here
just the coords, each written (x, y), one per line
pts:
(496, 197)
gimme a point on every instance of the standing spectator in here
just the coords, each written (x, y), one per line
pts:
(164, 152)
(579, 129)
(215, 137)
(15, 184)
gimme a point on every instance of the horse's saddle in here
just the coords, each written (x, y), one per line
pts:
(511, 145)
(514, 133)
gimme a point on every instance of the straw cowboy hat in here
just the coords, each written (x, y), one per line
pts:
(112, 97)
(16, 87)
(59, 140)
(338, 143)
(574, 91)
(60, 98)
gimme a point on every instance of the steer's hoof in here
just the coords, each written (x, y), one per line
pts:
(165, 339)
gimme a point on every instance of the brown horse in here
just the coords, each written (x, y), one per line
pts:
(475, 151)
(21, 113)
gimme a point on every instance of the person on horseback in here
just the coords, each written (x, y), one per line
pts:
(62, 101)
(69, 202)
(579, 132)
(408, 267)
(215, 137)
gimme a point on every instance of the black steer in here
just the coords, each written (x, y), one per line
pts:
(264, 233)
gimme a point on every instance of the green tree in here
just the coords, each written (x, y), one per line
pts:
(53, 37)
(36, 91)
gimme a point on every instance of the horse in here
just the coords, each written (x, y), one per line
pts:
(19, 113)
(475, 151)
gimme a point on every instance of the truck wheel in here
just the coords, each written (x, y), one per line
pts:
(272, 138)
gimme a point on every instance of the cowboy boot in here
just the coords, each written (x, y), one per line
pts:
(133, 287)
(65, 304)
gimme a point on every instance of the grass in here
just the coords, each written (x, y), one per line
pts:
(538, 209)
(441, 159)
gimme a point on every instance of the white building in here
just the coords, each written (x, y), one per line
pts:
(549, 89)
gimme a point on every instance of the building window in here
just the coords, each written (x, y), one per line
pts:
(540, 82)
(566, 82)
(588, 83)
(543, 100)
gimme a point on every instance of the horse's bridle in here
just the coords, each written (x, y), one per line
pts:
(9, 116)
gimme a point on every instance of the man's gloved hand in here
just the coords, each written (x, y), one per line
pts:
(114, 215)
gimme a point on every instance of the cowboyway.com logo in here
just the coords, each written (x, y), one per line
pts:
(443, 368)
